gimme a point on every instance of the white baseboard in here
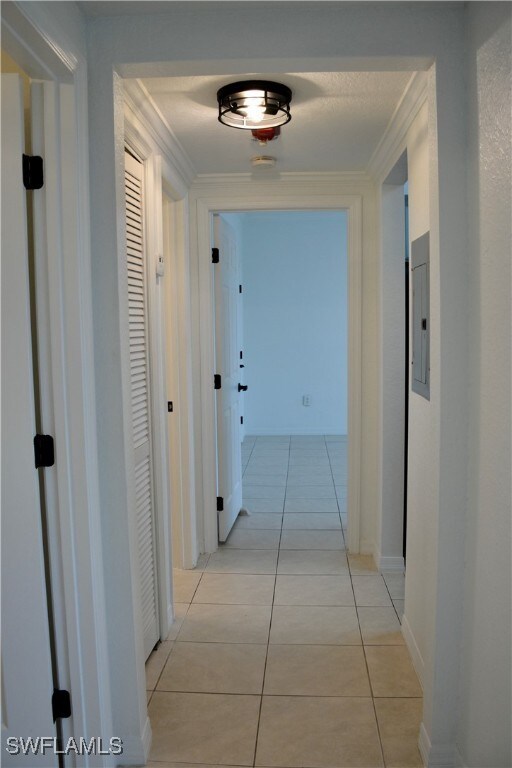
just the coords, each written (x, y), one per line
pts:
(390, 563)
(410, 641)
(147, 736)
(167, 622)
(367, 547)
(136, 748)
(263, 432)
(438, 756)
(424, 744)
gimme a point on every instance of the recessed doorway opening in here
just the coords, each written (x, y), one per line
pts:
(289, 325)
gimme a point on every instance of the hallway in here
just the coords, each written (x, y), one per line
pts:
(286, 652)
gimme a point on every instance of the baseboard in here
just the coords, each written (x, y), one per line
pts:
(410, 641)
(424, 744)
(438, 756)
(136, 749)
(390, 563)
(147, 736)
(367, 547)
(254, 432)
(168, 622)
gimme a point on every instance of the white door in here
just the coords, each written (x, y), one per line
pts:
(140, 399)
(27, 684)
(227, 356)
(240, 346)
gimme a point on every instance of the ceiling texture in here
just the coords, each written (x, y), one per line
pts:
(338, 119)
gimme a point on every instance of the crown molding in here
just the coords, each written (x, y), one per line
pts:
(328, 182)
(142, 105)
(390, 145)
(140, 101)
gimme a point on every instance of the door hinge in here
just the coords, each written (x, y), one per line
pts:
(170, 406)
(240, 289)
(44, 452)
(33, 177)
(61, 704)
(217, 381)
(241, 419)
(241, 355)
(220, 504)
(215, 256)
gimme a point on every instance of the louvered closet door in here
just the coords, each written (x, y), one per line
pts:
(140, 403)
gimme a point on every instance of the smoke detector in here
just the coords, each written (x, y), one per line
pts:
(263, 161)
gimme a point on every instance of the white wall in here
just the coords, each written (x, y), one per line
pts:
(421, 490)
(484, 733)
(457, 611)
(295, 321)
(437, 482)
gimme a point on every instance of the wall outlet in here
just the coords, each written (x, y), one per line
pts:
(306, 400)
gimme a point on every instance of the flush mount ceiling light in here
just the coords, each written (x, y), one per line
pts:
(254, 104)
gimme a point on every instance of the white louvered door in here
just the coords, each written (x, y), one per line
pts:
(140, 399)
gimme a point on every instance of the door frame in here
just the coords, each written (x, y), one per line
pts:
(276, 198)
(153, 231)
(185, 549)
(149, 137)
(29, 660)
(41, 45)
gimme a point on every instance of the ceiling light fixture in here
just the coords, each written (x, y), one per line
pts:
(254, 104)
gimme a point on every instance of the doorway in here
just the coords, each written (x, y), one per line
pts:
(44, 297)
(407, 357)
(395, 367)
(291, 350)
(278, 199)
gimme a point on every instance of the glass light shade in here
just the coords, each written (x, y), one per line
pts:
(254, 104)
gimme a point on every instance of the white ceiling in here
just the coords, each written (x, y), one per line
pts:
(337, 121)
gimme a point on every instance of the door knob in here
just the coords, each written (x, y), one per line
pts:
(243, 388)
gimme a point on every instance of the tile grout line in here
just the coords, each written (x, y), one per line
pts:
(391, 598)
(248, 460)
(366, 665)
(336, 496)
(334, 482)
(291, 695)
(270, 623)
(367, 669)
(177, 635)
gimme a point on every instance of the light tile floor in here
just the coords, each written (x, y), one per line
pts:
(286, 652)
